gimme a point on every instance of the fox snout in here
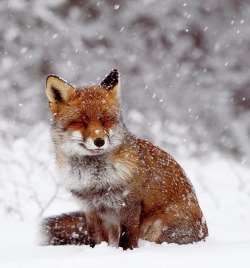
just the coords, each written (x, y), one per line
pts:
(79, 142)
(99, 143)
(96, 137)
(92, 141)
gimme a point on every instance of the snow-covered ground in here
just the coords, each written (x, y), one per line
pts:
(18, 250)
(29, 191)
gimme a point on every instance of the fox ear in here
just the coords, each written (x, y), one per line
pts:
(112, 81)
(58, 90)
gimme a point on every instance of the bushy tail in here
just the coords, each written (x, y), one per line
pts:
(64, 229)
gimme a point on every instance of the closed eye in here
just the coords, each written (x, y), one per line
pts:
(108, 122)
(79, 124)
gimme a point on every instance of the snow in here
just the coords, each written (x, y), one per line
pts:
(222, 186)
(185, 86)
(18, 249)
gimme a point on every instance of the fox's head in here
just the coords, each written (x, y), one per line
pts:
(86, 121)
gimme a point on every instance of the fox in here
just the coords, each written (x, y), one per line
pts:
(127, 188)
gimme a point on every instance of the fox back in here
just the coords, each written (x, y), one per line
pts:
(127, 188)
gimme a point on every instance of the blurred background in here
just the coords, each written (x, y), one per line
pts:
(185, 75)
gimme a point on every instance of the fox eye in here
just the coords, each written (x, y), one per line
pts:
(107, 122)
(85, 124)
(79, 124)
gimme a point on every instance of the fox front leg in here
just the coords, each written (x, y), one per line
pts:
(130, 226)
(94, 229)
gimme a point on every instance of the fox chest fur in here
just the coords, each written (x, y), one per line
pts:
(97, 182)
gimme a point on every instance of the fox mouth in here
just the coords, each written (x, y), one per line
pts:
(97, 150)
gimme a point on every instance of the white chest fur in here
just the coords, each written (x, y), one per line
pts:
(96, 181)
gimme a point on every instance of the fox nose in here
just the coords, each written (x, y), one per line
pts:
(99, 142)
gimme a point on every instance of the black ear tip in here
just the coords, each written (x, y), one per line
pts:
(115, 72)
(111, 80)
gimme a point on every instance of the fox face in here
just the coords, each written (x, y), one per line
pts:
(86, 121)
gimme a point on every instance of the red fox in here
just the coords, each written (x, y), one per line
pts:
(127, 188)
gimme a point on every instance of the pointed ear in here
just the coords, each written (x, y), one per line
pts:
(112, 81)
(58, 92)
